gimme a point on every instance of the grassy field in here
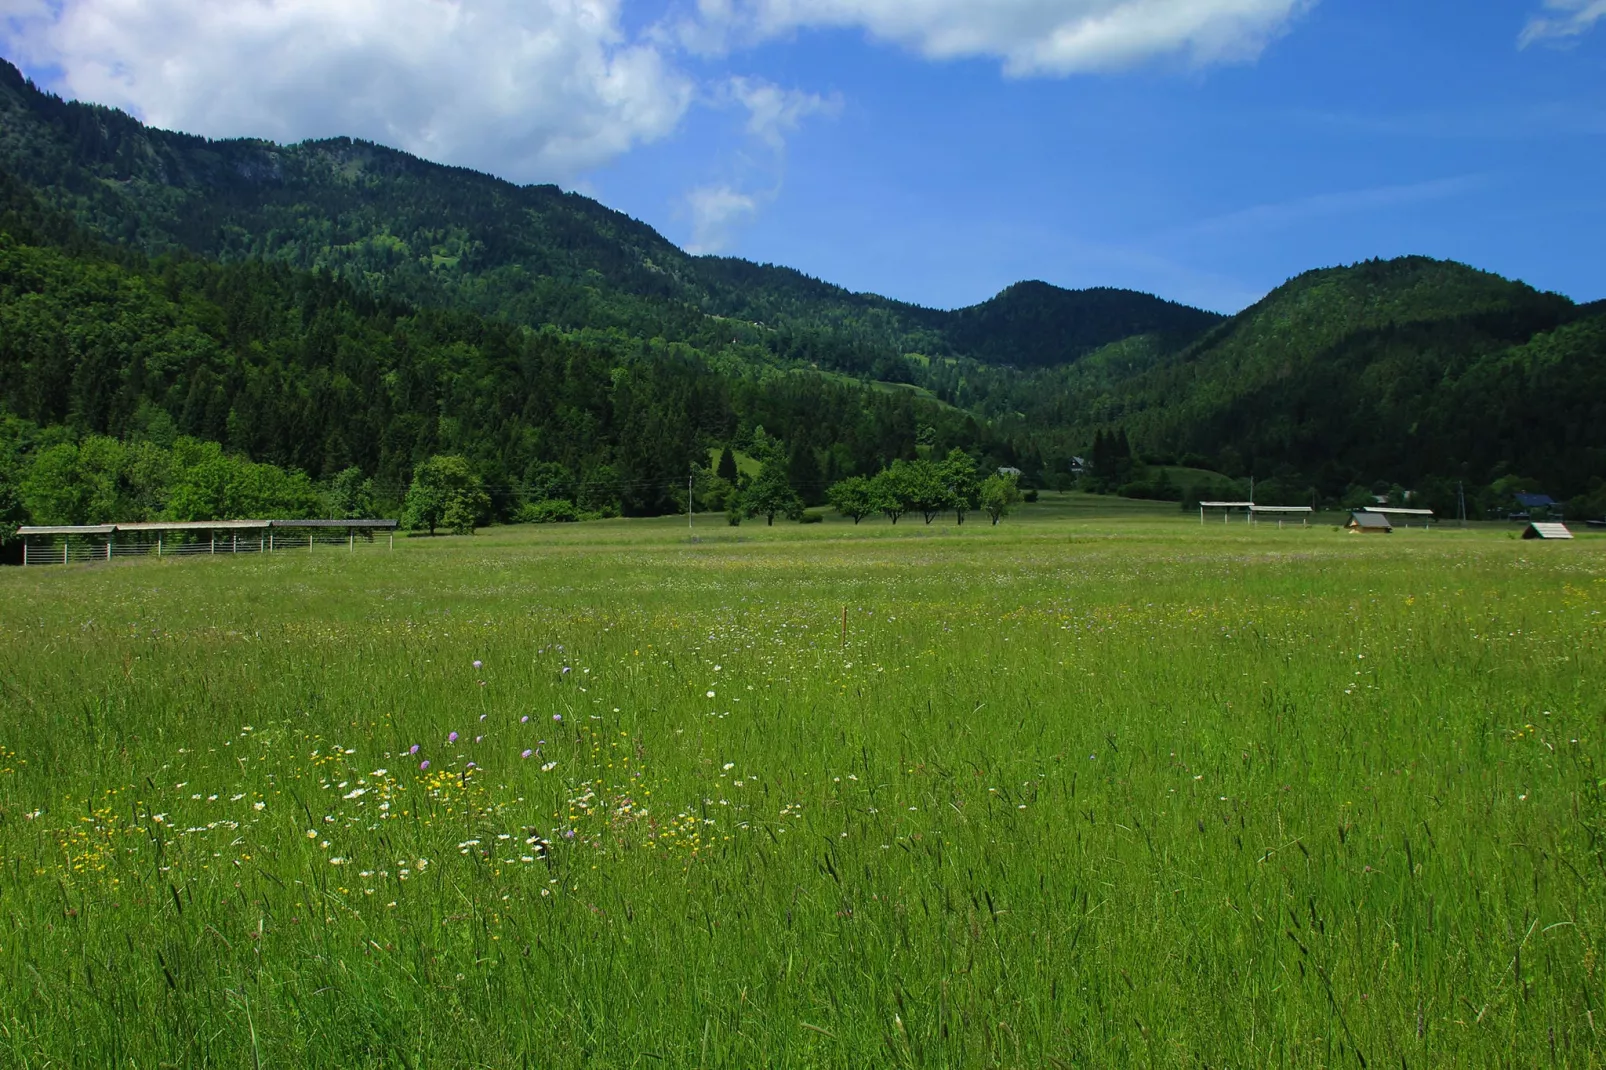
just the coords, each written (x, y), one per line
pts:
(1082, 790)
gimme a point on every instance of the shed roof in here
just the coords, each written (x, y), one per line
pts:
(1370, 521)
(1535, 501)
(1388, 509)
(194, 525)
(1226, 505)
(1542, 530)
(67, 529)
(202, 525)
(342, 524)
(1281, 509)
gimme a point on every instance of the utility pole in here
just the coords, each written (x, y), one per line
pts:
(1461, 501)
(690, 476)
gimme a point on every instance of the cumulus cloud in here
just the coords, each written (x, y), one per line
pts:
(535, 90)
(1566, 18)
(1030, 37)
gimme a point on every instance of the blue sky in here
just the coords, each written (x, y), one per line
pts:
(937, 154)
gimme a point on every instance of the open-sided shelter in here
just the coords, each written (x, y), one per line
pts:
(62, 544)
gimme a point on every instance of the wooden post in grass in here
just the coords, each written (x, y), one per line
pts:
(844, 627)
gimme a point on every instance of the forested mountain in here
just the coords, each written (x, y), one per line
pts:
(307, 371)
(1033, 324)
(531, 255)
(1395, 371)
(337, 304)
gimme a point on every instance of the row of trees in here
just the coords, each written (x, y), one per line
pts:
(929, 488)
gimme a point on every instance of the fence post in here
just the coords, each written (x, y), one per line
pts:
(214, 542)
(66, 543)
(351, 540)
(309, 540)
(111, 537)
(24, 553)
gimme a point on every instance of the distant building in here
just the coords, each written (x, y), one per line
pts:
(1007, 472)
(1365, 523)
(1541, 530)
(1078, 466)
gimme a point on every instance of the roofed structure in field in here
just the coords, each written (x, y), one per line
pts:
(1541, 530)
(1364, 522)
(61, 544)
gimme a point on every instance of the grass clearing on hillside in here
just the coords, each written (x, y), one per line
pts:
(1073, 792)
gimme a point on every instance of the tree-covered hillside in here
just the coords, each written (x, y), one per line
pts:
(1395, 371)
(307, 372)
(336, 304)
(1033, 324)
(532, 255)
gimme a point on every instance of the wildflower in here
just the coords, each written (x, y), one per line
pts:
(451, 737)
(476, 664)
(565, 670)
(413, 749)
(312, 834)
(527, 753)
(710, 694)
(423, 765)
(548, 767)
(478, 738)
(482, 717)
(558, 717)
(525, 719)
(568, 834)
(259, 805)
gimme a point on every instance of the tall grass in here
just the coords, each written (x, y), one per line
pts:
(1070, 794)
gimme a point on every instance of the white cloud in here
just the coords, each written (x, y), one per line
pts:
(753, 179)
(716, 211)
(774, 112)
(535, 90)
(1570, 19)
(1031, 37)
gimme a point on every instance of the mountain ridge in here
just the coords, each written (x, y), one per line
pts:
(437, 233)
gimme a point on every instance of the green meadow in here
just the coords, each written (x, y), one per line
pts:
(1086, 789)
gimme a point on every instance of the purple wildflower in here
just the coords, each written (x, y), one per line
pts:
(565, 668)
(413, 749)
(568, 834)
(451, 737)
(526, 754)
(423, 765)
(525, 719)
(476, 664)
(558, 717)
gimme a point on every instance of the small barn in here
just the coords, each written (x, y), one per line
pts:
(1364, 523)
(1541, 530)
